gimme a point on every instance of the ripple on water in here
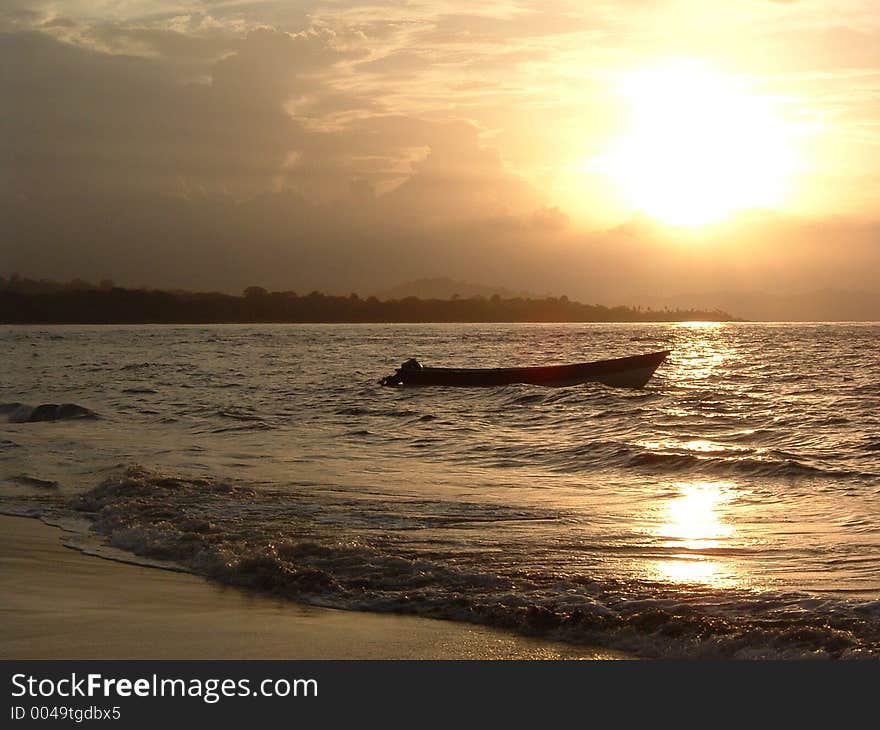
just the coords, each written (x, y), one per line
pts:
(728, 509)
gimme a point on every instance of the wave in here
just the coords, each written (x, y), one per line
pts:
(238, 414)
(290, 547)
(30, 481)
(723, 461)
(23, 413)
(249, 426)
(736, 466)
(377, 412)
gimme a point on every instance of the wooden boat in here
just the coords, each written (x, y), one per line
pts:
(623, 372)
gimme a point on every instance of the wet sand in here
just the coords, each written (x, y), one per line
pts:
(56, 603)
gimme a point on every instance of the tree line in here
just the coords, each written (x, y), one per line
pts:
(27, 301)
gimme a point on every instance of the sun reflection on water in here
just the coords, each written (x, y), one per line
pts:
(693, 529)
(694, 445)
(700, 349)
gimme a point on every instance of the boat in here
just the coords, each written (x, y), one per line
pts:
(622, 372)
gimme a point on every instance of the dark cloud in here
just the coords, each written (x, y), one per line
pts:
(87, 120)
(176, 48)
(111, 161)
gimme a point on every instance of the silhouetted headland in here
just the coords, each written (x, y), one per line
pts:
(26, 301)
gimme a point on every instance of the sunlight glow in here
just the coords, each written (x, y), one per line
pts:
(700, 146)
(695, 525)
(693, 521)
(700, 351)
(684, 570)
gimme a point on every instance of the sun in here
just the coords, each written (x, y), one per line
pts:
(700, 146)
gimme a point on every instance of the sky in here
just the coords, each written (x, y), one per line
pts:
(617, 152)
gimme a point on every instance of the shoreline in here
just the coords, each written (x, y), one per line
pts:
(59, 603)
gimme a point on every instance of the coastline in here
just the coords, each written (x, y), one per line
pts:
(58, 603)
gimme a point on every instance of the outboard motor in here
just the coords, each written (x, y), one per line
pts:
(397, 378)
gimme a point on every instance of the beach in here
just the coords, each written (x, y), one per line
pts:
(57, 603)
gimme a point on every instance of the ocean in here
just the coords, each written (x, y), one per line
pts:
(730, 509)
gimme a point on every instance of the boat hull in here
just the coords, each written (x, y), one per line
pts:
(623, 372)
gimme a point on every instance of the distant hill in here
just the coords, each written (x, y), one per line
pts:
(823, 305)
(23, 301)
(442, 287)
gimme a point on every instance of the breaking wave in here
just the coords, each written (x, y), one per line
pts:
(288, 545)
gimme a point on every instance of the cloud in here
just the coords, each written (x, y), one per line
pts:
(270, 66)
(126, 164)
(346, 145)
(100, 122)
(397, 63)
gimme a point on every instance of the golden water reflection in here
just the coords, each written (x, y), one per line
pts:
(696, 445)
(700, 324)
(694, 526)
(695, 522)
(700, 348)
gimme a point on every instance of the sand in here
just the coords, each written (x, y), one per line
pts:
(57, 603)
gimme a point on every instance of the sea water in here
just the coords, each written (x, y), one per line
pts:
(729, 509)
